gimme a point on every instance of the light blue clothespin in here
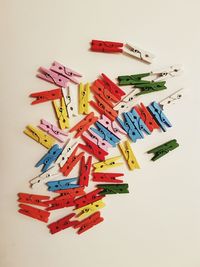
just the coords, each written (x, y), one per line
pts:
(62, 184)
(138, 122)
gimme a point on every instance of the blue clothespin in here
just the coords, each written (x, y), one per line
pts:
(138, 122)
(62, 184)
(49, 158)
(105, 134)
(159, 116)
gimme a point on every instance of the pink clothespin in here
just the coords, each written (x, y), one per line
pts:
(112, 126)
(52, 77)
(97, 140)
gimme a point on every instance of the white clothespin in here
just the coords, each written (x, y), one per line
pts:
(70, 100)
(171, 99)
(67, 151)
(126, 103)
(137, 52)
(171, 71)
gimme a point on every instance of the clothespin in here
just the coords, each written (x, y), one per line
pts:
(93, 149)
(159, 116)
(70, 102)
(85, 171)
(112, 87)
(134, 79)
(88, 222)
(138, 53)
(171, 99)
(62, 184)
(89, 198)
(84, 96)
(39, 136)
(129, 155)
(56, 204)
(106, 46)
(169, 72)
(61, 113)
(107, 164)
(69, 193)
(66, 152)
(71, 162)
(138, 122)
(126, 103)
(150, 87)
(97, 140)
(46, 176)
(105, 134)
(163, 149)
(89, 209)
(49, 157)
(38, 214)
(66, 72)
(113, 188)
(107, 177)
(45, 96)
(111, 126)
(146, 116)
(62, 224)
(84, 124)
(52, 130)
(52, 77)
(38, 200)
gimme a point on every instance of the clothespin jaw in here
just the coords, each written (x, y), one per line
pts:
(134, 79)
(88, 222)
(111, 126)
(84, 124)
(52, 77)
(45, 96)
(151, 87)
(62, 224)
(62, 184)
(66, 72)
(106, 46)
(107, 164)
(138, 53)
(126, 103)
(85, 171)
(35, 213)
(61, 113)
(39, 136)
(69, 101)
(169, 72)
(113, 189)
(171, 99)
(89, 209)
(129, 155)
(163, 149)
(66, 152)
(88, 198)
(32, 199)
(84, 96)
(107, 177)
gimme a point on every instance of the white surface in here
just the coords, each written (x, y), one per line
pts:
(157, 224)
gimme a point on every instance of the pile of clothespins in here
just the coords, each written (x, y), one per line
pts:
(94, 136)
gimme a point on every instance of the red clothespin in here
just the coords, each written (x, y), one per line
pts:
(85, 171)
(55, 204)
(84, 124)
(62, 224)
(146, 117)
(71, 162)
(88, 198)
(69, 193)
(38, 214)
(93, 149)
(33, 199)
(107, 177)
(52, 77)
(112, 87)
(88, 222)
(103, 108)
(106, 46)
(46, 96)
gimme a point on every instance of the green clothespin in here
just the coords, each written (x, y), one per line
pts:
(133, 79)
(151, 87)
(113, 188)
(163, 149)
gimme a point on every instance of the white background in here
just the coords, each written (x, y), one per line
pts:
(157, 224)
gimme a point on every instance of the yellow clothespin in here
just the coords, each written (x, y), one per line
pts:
(84, 95)
(107, 164)
(39, 136)
(89, 209)
(61, 113)
(129, 156)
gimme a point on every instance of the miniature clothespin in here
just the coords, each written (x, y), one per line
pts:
(70, 102)
(88, 222)
(89, 209)
(52, 77)
(129, 155)
(126, 103)
(39, 136)
(111, 126)
(135, 51)
(159, 116)
(171, 99)
(163, 149)
(134, 79)
(61, 113)
(66, 152)
(89, 198)
(113, 188)
(45, 96)
(52, 130)
(93, 148)
(97, 140)
(169, 72)
(38, 214)
(84, 96)
(62, 184)
(56, 204)
(150, 87)
(38, 200)
(107, 164)
(107, 177)
(66, 72)
(106, 46)
(49, 158)
(85, 171)
(62, 224)
(69, 193)
(84, 124)
(138, 122)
